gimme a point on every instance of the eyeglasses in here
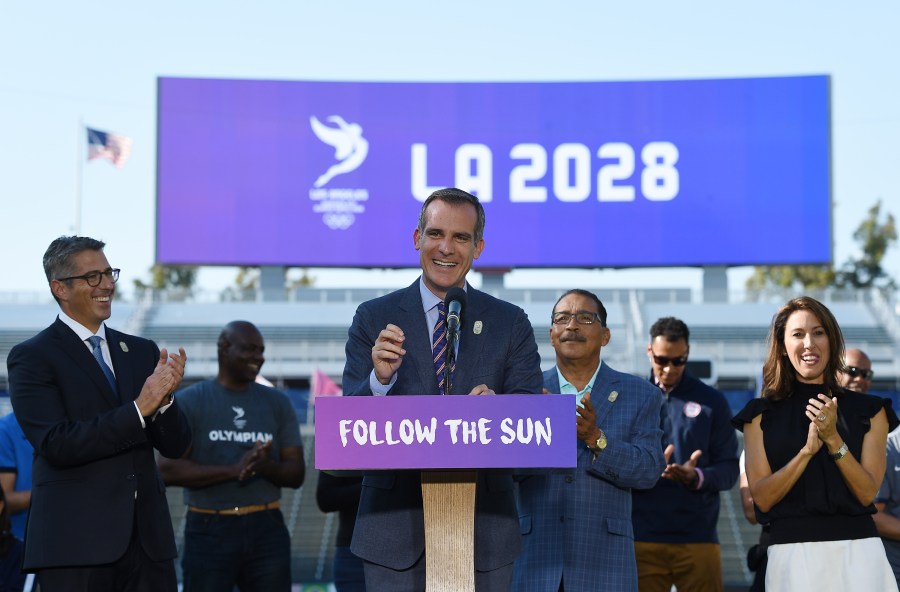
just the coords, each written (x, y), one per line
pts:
(94, 278)
(581, 317)
(664, 361)
(856, 372)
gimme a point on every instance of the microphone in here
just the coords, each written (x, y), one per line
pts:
(454, 302)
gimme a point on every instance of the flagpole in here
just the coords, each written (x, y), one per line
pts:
(79, 171)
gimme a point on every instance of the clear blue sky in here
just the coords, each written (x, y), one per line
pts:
(98, 62)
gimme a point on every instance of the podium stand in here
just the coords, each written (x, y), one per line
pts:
(449, 439)
(448, 499)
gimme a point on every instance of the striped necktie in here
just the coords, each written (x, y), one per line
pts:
(439, 348)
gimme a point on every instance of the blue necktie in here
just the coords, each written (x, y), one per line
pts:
(94, 340)
(439, 347)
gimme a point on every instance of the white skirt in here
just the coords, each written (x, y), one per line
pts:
(827, 566)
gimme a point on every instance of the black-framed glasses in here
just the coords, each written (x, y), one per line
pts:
(857, 372)
(664, 361)
(94, 278)
(582, 317)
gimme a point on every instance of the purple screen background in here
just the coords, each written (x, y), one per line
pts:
(237, 160)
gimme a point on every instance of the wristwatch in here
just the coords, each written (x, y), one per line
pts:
(600, 444)
(841, 452)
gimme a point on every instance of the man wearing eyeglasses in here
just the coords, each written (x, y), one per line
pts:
(675, 521)
(857, 372)
(95, 404)
(576, 525)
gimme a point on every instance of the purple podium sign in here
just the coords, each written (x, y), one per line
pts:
(433, 432)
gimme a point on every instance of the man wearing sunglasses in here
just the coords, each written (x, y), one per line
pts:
(96, 404)
(857, 373)
(675, 521)
(857, 376)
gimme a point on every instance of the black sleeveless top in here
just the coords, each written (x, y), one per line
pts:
(820, 506)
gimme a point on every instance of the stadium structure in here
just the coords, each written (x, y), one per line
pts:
(306, 330)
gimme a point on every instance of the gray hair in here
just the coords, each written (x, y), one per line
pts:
(58, 256)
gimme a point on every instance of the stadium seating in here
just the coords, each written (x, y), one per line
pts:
(309, 331)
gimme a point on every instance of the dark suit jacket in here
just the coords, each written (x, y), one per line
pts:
(503, 355)
(578, 523)
(93, 461)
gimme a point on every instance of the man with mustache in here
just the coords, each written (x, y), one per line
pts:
(675, 522)
(576, 525)
(246, 448)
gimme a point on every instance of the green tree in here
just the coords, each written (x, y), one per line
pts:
(874, 237)
(247, 278)
(182, 277)
(303, 281)
(809, 277)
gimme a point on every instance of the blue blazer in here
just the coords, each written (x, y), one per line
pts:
(93, 461)
(576, 525)
(390, 528)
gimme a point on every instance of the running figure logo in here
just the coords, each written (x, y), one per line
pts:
(239, 421)
(350, 147)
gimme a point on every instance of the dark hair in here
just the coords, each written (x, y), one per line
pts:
(6, 534)
(229, 331)
(454, 196)
(672, 329)
(779, 376)
(58, 256)
(601, 310)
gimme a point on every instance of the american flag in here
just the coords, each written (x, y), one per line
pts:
(112, 147)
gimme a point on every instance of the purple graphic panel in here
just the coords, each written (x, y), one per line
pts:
(454, 432)
(254, 172)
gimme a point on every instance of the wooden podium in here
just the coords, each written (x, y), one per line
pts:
(448, 499)
(448, 439)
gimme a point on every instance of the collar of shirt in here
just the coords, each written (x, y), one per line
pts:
(567, 388)
(429, 305)
(662, 387)
(84, 333)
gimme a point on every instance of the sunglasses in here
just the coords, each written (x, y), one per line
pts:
(854, 372)
(664, 361)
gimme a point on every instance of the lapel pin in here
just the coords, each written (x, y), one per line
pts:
(476, 329)
(613, 396)
(123, 346)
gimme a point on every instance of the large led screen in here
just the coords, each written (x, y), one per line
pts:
(584, 174)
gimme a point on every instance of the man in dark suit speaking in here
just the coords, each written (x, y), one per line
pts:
(390, 352)
(95, 403)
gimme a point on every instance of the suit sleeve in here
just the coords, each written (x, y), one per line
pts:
(358, 364)
(638, 462)
(723, 469)
(59, 411)
(522, 374)
(170, 432)
(335, 493)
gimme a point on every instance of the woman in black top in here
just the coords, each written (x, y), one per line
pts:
(815, 458)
